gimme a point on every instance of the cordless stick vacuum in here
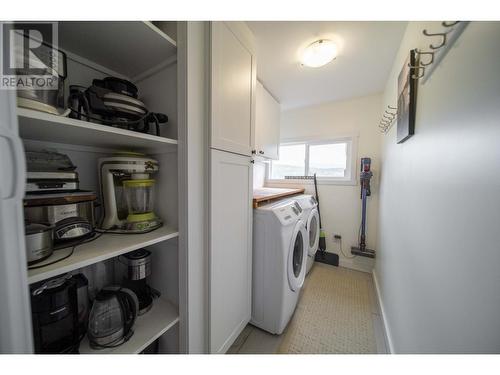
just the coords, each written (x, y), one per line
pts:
(364, 177)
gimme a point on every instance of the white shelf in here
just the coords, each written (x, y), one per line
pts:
(147, 328)
(125, 47)
(105, 247)
(41, 126)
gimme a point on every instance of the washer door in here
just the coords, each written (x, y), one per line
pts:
(297, 257)
(313, 229)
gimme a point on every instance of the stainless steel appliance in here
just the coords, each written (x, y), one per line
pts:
(82, 292)
(71, 213)
(138, 268)
(39, 242)
(128, 193)
(49, 100)
(50, 172)
(54, 308)
(112, 317)
(113, 101)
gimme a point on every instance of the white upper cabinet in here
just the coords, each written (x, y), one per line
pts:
(233, 87)
(267, 124)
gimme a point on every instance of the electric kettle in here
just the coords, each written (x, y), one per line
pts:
(112, 317)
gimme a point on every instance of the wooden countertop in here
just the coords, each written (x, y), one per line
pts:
(265, 195)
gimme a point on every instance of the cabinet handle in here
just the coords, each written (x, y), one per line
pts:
(261, 152)
(254, 152)
(252, 161)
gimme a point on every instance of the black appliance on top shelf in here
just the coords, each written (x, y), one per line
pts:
(59, 308)
(113, 101)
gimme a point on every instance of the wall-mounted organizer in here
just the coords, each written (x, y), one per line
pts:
(440, 43)
(428, 59)
(388, 118)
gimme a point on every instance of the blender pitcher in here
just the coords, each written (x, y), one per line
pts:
(139, 196)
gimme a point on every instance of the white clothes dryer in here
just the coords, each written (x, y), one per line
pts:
(310, 216)
(279, 264)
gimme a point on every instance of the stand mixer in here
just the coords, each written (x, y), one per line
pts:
(128, 193)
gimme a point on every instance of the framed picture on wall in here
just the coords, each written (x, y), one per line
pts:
(407, 99)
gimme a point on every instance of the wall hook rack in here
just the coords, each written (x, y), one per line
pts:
(443, 39)
(448, 37)
(428, 53)
(387, 119)
(418, 68)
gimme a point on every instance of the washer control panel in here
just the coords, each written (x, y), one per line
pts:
(288, 213)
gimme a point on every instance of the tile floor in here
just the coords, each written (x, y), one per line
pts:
(253, 340)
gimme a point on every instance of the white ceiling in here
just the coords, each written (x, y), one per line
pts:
(366, 54)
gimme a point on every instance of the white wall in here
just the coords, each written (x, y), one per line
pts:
(438, 265)
(340, 204)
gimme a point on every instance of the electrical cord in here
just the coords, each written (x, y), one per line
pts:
(342, 251)
(85, 240)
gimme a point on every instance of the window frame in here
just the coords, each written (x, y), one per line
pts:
(351, 170)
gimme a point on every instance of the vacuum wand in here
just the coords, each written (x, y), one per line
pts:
(365, 177)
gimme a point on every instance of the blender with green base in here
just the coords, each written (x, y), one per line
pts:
(128, 193)
(139, 195)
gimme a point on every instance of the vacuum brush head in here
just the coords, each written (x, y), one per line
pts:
(369, 253)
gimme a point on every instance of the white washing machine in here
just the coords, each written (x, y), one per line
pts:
(279, 264)
(310, 216)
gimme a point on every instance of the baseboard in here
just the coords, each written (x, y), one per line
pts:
(387, 332)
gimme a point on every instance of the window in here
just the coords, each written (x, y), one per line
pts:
(330, 160)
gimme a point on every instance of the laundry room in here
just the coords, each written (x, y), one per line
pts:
(256, 187)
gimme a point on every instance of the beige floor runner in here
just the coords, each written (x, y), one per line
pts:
(333, 314)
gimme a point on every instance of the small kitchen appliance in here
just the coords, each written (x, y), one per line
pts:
(112, 317)
(113, 101)
(45, 99)
(50, 172)
(82, 293)
(365, 177)
(71, 213)
(54, 309)
(39, 242)
(128, 193)
(138, 265)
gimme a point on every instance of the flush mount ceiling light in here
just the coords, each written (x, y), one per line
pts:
(319, 53)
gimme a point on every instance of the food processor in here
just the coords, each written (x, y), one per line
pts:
(127, 188)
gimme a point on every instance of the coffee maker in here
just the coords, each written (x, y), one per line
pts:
(59, 309)
(138, 268)
(127, 188)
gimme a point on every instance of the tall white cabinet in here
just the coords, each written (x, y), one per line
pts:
(232, 105)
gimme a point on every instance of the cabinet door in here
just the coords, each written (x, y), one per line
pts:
(230, 248)
(15, 316)
(267, 124)
(233, 87)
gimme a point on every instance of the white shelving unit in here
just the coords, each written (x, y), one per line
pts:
(107, 246)
(40, 126)
(147, 328)
(147, 56)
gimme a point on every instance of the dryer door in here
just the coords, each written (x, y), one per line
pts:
(313, 229)
(297, 257)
